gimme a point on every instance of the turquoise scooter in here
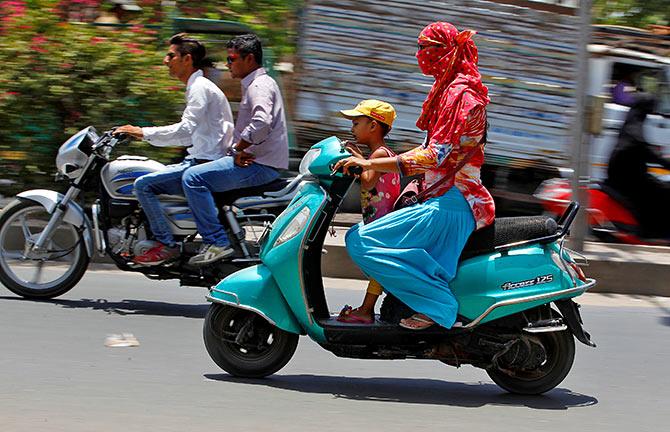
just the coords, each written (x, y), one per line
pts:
(509, 276)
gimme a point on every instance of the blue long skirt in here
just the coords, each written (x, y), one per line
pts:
(413, 252)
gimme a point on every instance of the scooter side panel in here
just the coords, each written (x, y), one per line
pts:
(255, 289)
(485, 280)
(285, 259)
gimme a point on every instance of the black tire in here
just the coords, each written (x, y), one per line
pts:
(560, 349)
(266, 349)
(23, 289)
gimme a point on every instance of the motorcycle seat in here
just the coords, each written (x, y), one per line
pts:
(231, 197)
(508, 230)
(615, 195)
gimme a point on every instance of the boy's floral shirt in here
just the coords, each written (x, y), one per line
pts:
(379, 200)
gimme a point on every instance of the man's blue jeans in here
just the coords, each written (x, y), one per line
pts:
(147, 189)
(199, 182)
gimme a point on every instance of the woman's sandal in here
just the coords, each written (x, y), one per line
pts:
(416, 322)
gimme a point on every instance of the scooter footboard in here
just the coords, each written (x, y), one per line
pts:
(255, 289)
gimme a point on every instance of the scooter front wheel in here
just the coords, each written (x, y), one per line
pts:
(244, 344)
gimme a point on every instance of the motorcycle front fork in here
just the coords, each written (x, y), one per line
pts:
(237, 230)
(56, 218)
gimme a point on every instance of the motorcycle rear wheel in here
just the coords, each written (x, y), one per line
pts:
(244, 344)
(560, 352)
(24, 272)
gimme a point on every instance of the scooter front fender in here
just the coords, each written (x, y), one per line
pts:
(255, 289)
(73, 215)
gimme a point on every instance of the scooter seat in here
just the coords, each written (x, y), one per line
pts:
(508, 230)
(229, 197)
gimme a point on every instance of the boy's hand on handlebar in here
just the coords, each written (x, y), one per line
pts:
(133, 131)
(346, 165)
(352, 148)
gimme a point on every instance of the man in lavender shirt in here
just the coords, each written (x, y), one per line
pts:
(260, 147)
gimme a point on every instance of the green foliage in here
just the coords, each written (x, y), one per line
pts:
(273, 20)
(633, 13)
(58, 77)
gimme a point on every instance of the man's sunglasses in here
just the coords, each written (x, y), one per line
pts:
(232, 58)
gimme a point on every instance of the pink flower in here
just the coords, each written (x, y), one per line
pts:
(37, 43)
(96, 40)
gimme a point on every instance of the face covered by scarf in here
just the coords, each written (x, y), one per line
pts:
(451, 58)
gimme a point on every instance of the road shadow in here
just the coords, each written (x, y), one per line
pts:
(416, 391)
(129, 307)
(665, 320)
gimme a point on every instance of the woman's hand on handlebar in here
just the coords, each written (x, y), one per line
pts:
(346, 165)
(133, 131)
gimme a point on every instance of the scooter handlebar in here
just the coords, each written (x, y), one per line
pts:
(353, 171)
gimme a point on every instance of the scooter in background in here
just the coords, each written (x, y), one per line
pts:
(609, 217)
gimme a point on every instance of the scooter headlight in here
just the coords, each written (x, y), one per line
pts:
(307, 160)
(294, 227)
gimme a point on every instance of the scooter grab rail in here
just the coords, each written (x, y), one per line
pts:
(568, 217)
(563, 223)
(590, 283)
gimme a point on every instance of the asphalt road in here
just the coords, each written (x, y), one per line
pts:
(56, 374)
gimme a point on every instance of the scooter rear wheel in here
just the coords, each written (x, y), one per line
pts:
(244, 344)
(560, 354)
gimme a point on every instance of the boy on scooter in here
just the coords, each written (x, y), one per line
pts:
(371, 121)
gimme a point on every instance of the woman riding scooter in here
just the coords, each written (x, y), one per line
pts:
(413, 252)
(627, 172)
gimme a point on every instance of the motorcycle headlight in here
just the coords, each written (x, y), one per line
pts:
(294, 227)
(307, 160)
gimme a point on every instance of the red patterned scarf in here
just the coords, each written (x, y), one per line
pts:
(451, 57)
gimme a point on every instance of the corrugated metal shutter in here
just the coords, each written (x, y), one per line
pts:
(353, 50)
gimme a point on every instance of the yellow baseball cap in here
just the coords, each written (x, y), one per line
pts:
(381, 111)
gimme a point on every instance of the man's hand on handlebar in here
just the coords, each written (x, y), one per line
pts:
(348, 166)
(133, 131)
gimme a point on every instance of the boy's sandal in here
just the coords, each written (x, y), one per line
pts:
(346, 310)
(347, 315)
(352, 318)
(416, 322)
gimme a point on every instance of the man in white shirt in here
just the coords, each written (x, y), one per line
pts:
(206, 128)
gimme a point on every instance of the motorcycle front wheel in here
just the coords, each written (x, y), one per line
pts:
(560, 355)
(44, 274)
(244, 344)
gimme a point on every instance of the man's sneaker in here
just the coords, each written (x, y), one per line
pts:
(157, 255)
(210, 253)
